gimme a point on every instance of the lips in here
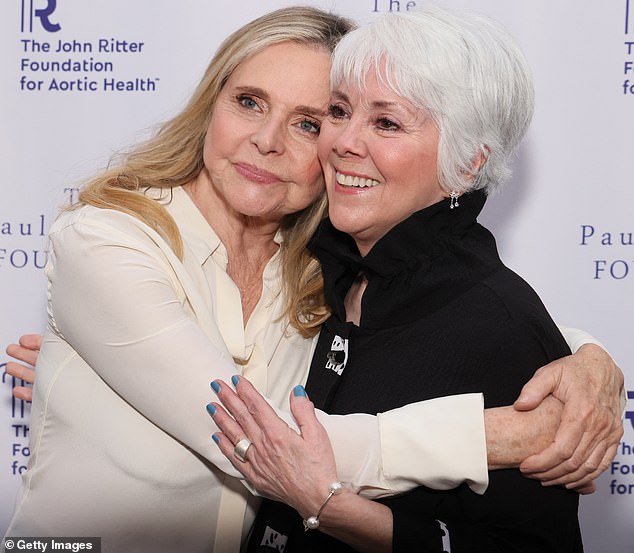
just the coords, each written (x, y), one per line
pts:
(256, 174)
(353, 181)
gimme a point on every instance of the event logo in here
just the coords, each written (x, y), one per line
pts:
(67, 64)
(393, 5)
(614, 266)
(18, 406)
(629, 415)
(24, 240)
(20, 411)
(622, 467)
(628, 65)
(31, 13)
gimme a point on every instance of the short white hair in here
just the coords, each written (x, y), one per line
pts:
(464, 69)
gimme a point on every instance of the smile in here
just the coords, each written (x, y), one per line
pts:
(355, 182)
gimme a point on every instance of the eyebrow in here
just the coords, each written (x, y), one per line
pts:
(301, 108)
(380, 104)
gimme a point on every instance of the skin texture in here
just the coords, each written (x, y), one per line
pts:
(260, 156)
(591, 428)
(283, 453)
(376, 134)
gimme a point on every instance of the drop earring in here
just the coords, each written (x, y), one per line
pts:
(453, 200)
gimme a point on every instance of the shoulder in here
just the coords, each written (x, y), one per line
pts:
(94, 226)
(510, 295)
(503, 310)
(88, 215)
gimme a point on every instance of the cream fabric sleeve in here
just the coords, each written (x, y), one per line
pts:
(117, 295)
(577, 338)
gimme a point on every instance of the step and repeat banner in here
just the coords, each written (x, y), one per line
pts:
(82, 79)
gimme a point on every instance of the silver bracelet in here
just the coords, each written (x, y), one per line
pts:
(312, 523)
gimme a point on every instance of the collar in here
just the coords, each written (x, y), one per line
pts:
(435, 248)
(196, 232)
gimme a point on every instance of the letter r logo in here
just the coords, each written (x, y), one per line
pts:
(43, 14)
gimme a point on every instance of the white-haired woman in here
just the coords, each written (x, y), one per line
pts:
(426, 109)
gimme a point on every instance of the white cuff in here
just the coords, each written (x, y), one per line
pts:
(438, 443)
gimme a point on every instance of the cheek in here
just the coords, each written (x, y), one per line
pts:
(212, 145)
(314, 180)
(307, 170)
(325, 142)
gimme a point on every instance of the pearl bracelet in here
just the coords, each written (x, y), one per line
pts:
(312, 523)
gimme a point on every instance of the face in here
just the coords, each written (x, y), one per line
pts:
(379, 155)
(260, 151)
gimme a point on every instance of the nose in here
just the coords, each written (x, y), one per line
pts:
(349, 140)
(269, 137)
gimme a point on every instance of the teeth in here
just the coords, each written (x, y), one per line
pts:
(356, 182)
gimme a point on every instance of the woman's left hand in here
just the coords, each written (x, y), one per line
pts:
(590, 385)
(282, 464)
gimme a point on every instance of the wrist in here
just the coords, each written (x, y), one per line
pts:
(313, 522)
(512, 436)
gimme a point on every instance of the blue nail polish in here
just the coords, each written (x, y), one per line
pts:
(215, 438)
(235, 379)
(215, 386)
(211, 409)
(299, 391)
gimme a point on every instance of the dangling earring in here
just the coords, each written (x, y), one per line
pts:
(453, 200)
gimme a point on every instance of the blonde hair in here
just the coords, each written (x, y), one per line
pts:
(174, 156)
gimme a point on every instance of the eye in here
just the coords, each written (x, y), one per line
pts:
(386, 124)
(310, 126)
(335, 111)
(247, 101)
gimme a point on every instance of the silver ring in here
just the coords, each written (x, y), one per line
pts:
(241, 448)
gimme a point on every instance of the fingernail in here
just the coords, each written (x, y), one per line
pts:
(299, 391)
(235, 379)
(211, 409)
(215, 386)
(215, 438)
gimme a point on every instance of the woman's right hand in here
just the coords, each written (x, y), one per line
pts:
(282, 464)
(26, 350)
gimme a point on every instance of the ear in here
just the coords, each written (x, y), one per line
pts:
(476, 165)
(478, 162)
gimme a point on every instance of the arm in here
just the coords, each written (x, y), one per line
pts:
(297, 469)
(115, 298)
(377, 467)
(591, 386)
(575, 452)
(26, 350)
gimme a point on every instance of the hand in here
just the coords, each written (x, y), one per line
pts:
(590, 386)
(281, 464)
(27, 351)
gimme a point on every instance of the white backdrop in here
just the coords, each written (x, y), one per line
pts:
(564, 223)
